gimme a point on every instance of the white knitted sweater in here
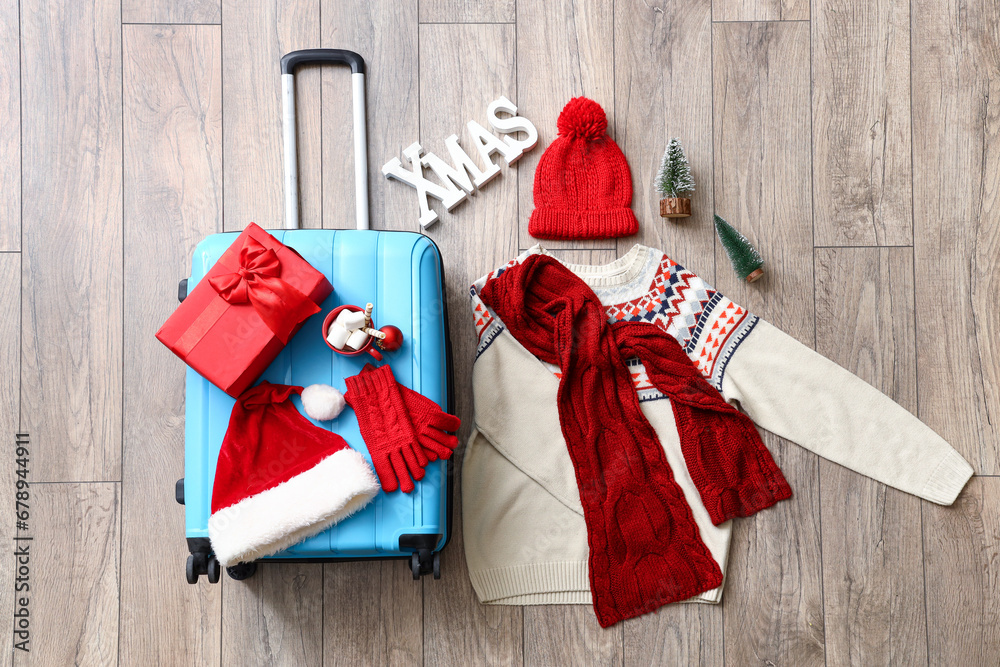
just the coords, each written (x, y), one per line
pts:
(524, 531)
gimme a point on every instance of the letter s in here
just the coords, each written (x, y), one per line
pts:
(513, 124)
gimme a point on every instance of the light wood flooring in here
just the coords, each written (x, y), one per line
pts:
(856, 142)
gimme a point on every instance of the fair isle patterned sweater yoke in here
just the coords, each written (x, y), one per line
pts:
(707, 325)
(525, 535)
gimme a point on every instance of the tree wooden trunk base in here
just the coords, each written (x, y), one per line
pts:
(675, 207)
(755, 275)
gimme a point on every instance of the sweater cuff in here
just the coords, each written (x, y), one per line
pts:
(948, 479)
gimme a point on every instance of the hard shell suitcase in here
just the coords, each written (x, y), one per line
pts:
(402, 274)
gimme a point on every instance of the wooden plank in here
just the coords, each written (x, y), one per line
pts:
(962, 561)
(10, 330)
(74, 567)
(956, 150)
(10, 129)
(173, 198)
(468, 11)
(760, 10)
(861, 122)
(650, 108)
(762, 166)
(681, 634)
(461, 68)
(663, 77)
(352, 630)
(372, 614)
(271, 618)
(570, 634)
(761, 76)
(873, 580)
(564, 50)
(171, 11)
(773, 611)
(253, 41)
(71, 267)
(955, 153)
(385, 34)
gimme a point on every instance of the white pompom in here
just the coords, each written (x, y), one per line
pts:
(322, 402)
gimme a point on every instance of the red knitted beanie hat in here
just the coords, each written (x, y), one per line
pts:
(583, 186)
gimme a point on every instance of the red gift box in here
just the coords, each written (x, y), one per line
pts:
(242, 313)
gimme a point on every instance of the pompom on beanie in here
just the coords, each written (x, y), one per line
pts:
(583, 186)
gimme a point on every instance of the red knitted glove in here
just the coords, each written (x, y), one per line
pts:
(386, 428)
(435, 428)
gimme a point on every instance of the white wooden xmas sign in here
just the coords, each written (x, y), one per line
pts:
(463, 176)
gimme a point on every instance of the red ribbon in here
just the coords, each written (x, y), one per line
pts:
(280, 306)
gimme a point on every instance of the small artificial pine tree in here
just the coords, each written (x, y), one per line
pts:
(674, 178)
(747, 262)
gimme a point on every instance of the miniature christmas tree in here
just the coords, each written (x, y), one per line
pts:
(674, 178)
(674, 182)
(746, 260)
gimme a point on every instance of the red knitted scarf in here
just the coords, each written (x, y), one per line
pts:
(727, 460)
(645, 548)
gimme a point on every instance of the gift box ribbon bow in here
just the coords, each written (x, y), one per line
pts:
(256, 280)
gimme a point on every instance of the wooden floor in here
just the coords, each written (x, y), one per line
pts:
(856, 142)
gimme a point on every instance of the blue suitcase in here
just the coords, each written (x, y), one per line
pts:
(402, 274)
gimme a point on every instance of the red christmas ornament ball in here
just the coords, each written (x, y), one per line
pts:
(393, 338)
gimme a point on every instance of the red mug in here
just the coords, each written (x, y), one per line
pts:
(368, 347)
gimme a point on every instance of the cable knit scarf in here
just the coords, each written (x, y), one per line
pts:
(645, 548)
(727, 460)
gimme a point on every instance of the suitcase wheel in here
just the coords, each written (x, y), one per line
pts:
(213, 570)
(193, 568)
(242, 571)
(200, 563)
(179, 491)
(182, 290)
(424, 562)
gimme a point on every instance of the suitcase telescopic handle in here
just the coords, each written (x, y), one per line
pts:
(289, 63)
(333, 56)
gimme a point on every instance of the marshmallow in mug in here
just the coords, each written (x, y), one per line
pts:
(338, 335)
(358, 339)
(351, 319)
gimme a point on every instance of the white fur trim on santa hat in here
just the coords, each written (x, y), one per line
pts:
(322, 402)
(288, 513)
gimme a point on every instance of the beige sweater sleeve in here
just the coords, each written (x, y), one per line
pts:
(796, 393)
(517, 385)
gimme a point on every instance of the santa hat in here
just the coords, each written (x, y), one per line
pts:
(583, 186)
(280, 478)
